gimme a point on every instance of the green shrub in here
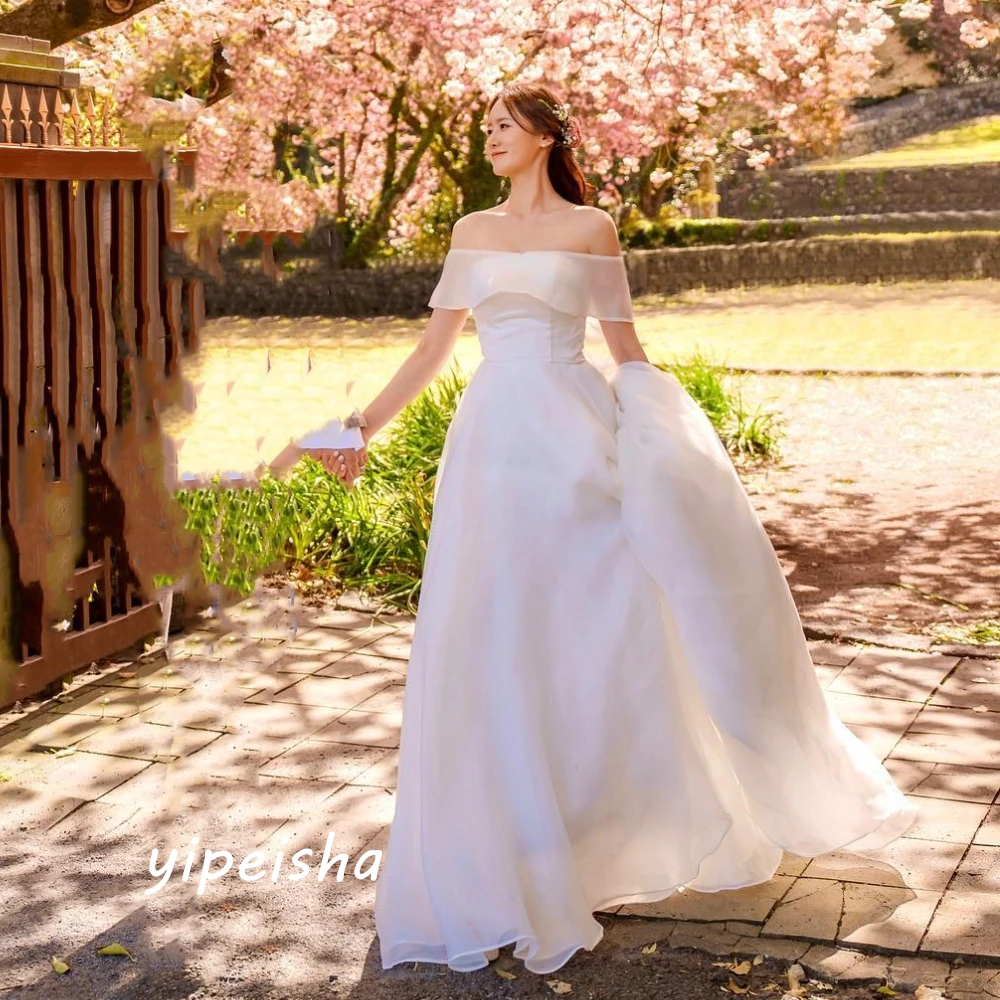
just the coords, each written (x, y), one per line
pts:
(746, 435)
(649, 234)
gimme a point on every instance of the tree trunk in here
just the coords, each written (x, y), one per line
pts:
(60, 21)
(707, 201)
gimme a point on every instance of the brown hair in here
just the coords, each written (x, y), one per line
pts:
(527, 105)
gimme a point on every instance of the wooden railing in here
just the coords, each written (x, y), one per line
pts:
(92, 329)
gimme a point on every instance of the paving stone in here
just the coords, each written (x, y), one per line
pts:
(62, 731)
(844, 964)
(752, 903)
(389, 700)
(900, 674)
(308, 661)
(313, 759)
(743, 928)
(906, 862)
(827, 675)
(380, 842)
(156, 674)
(880, 740)
(145, 741)
(979, 871)
(384, 772)
(932, 972)
(989, 833)
(394, 645)
(251, 679)
(354, 816)
(811, 908)
(833, 654)
(327, 617)
(192, 709)
(87, 776)
(255, 653)
(27, 809)
(629, 935)
(965, 923)
(230, 757)
(351, 664)
(829, 961)
(885, 713)
(233, 815)
(949, 748)
(18, 756)
(945, 781)
(338, 640)
(92, 824)
(888, 916)
(712, 938)
(281, 721)
(329, 692)
(949, 719)
(146, 785)
(943, 819)
(974, 683)
(777, 947)
(374, 729)
(113, 702)
(792, 864)
(981, 982)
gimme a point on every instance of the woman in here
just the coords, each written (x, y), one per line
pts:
(609, 695)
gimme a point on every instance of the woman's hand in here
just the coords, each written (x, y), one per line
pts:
(347, 464)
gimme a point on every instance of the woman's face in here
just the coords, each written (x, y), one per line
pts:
(510, 147)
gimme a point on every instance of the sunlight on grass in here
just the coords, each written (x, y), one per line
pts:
(246, 414)
(940, 326)
(974, 142)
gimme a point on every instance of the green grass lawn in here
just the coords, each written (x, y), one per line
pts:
(975, 142)
(943, 326)
(246, 413)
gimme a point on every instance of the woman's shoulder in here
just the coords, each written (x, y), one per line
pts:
(465, 230)
(585, 227)
(601, 231)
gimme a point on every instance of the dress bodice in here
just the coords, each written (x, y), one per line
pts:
(534, 304)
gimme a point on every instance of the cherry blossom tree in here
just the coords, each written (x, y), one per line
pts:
(361, 110)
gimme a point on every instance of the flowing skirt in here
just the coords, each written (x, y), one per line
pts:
(609, 694)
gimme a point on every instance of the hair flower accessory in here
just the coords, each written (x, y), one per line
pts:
(570, 133)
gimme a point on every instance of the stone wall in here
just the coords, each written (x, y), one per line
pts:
(313, 288)
(404, 290)
(785, 194)
(890, 123)
(857, 259)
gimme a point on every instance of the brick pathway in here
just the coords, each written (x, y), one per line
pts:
(284, 724)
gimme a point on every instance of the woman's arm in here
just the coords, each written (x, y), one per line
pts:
(411, 378)
(622, 340)
(417, 371)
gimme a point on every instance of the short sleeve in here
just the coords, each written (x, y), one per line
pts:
(608, 293)
(454, 287)
(580, 284)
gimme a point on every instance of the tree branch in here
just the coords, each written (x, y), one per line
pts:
(60, 21)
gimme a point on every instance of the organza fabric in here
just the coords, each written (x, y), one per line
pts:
(609, 694)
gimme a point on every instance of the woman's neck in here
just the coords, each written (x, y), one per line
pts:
(532, 196)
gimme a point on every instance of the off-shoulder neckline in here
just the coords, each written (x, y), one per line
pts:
(524, 253)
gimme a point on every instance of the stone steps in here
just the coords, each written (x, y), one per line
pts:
(799, 193)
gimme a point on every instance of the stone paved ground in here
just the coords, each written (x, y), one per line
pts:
(270, 729)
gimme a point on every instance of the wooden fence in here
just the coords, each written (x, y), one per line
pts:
(92, 328)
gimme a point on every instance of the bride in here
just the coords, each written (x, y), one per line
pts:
(609, 695)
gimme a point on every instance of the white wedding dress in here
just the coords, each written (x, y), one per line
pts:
(609, 694)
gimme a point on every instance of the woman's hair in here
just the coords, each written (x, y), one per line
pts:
(533, 106)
